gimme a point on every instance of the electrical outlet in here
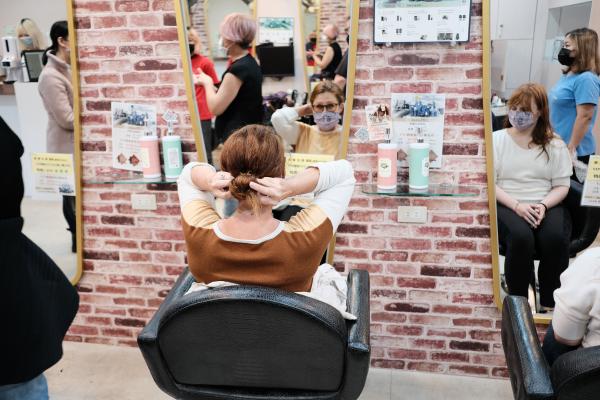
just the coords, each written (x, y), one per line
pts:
(143, 201)
(412, 215)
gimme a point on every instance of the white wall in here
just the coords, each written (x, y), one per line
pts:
(286, 8)
(43, 12)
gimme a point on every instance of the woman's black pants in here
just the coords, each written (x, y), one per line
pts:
(68, 207)
(549, 243)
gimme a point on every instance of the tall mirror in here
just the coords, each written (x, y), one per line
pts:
(281, 49)
(541, 226)
(266, 76)
(37, 80)
(311, 17)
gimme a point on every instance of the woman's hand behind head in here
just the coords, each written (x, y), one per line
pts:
(271, 190)
(219, 184)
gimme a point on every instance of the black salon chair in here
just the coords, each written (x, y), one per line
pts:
(247, 342)
(585, 220)
(574, 375)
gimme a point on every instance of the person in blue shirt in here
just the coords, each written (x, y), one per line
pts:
(574, 98)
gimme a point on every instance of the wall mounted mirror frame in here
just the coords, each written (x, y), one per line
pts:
(508, 37)
(182, 19)
(489, 151)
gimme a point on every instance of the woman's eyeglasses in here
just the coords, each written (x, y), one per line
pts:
(322, 107)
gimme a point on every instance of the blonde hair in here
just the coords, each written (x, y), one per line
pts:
(194, 38)
(327, 87)
(587, 57)
(27, 27)
(238, 28)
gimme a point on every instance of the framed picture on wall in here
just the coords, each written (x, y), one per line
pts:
(276, 30)
(421, 21)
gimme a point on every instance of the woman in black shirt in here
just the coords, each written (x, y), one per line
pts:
(333, 54)
(238, 101)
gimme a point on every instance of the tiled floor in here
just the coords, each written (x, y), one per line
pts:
(45, 225)
(98, 372)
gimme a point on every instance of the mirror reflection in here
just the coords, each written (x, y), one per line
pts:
(543, 116)
(36, 81)
(251, 63)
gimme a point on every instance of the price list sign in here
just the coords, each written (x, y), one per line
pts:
(421, 21)
(591, 187)
(53, 173)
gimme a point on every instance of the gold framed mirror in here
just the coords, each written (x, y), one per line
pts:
(280, 24)
(52, 204)
(508, 37)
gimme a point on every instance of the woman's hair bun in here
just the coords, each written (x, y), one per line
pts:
(240, 185)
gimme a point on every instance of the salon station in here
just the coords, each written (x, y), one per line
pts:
(300, 199)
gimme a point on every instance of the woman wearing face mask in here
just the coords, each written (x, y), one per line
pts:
(532, 167)
(326, 104)
(30, 37)
(238, 101)
(333, 54)
(57, 95)
(574, 98)
(206, 66)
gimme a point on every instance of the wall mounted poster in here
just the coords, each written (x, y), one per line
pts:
(277, 30)
(379, 121)
(415, 116)
(416, 21)
(53, 173)
(129, 123)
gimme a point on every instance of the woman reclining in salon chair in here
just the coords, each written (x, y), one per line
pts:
(252, 247)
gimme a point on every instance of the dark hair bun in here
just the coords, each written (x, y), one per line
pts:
(240, 185)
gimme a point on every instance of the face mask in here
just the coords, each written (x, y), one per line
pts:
(327, 120)
(222, 47)
(564, 57)
(192, 48)
(27, 41)
(521, 120)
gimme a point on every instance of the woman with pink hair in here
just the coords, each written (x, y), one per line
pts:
(238, 100)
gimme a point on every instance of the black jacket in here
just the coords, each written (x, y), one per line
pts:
(37, 301)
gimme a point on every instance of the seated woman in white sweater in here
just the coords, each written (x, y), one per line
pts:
(325, 104)
(532, 168)
(252, 247)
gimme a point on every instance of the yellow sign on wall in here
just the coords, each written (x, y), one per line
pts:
(296, 162)
(53, 173)
(591, 187)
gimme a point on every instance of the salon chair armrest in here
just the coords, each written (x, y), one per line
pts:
(577, 374)
(359, 348)
(147, 339)
(528, 369)
(585, 220)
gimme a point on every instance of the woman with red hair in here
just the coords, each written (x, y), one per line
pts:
(252, 247)
(532, 166)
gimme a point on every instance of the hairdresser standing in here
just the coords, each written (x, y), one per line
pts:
(574, 98)
(57, 94)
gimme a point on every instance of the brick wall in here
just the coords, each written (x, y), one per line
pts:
(128, 51)
(334, 12)
(431, 298)
(199, 23)
(432, 302)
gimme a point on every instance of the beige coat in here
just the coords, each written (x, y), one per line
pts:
(57, 94)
